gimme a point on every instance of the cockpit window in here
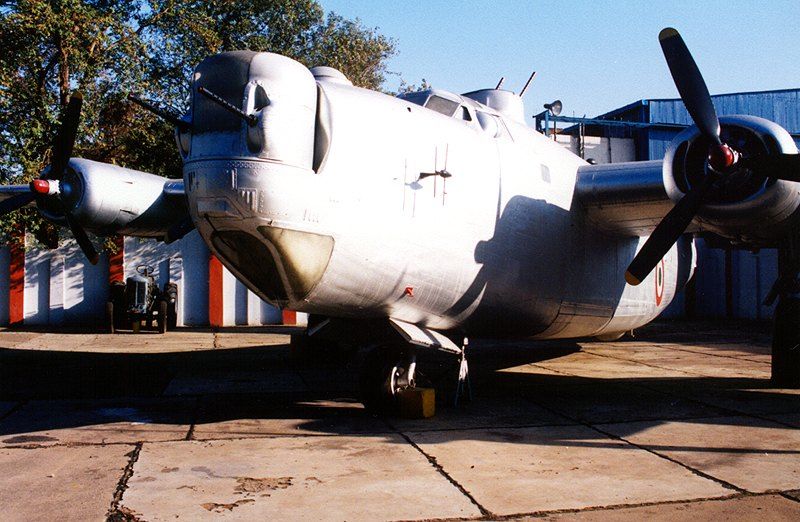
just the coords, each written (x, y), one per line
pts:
(417, 98)
(442, 105)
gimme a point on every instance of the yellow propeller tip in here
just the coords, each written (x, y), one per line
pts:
(631, 279)
(667, 32)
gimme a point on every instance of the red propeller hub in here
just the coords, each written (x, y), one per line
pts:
(721, 158)
(40, 186)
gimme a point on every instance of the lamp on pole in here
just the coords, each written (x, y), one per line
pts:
(551, 109)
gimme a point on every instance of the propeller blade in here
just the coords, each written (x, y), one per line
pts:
(16, 202)
(667, 233)
(781, 166)
(65, 139)
(82, 239)
(690, 84)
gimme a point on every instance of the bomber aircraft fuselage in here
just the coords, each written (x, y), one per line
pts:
(344, 201)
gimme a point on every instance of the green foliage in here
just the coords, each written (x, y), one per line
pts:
(107, 49)
(405, 88)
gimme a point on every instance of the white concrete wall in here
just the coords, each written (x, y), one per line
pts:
(61, 287)
(602, 150)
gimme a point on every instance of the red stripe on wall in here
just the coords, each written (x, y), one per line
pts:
(16, 287)
(116, 267)
(289, 316)
(215, 301)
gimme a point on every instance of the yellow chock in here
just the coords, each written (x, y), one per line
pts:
(417, 403)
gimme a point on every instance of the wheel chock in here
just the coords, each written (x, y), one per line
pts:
(417, 403)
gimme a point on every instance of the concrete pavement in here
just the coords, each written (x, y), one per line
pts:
(675, 424)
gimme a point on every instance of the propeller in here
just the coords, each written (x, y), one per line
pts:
(49, 186)
(16, 202)
(721, 157)
(781, 166)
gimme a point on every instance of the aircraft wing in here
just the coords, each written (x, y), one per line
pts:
(627, 199)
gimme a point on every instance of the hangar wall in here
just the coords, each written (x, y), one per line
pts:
(57, 287)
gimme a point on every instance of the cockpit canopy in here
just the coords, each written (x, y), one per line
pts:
(458, 107)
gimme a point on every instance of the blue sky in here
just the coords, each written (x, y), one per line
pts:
(593, 55)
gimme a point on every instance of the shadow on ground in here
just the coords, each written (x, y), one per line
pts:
(45, 391)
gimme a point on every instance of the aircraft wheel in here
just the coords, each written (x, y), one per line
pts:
(381, 378)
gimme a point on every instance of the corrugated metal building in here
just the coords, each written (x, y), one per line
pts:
(729, 283)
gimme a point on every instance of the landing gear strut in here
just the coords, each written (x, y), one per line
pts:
(386, 370)
(786, 337)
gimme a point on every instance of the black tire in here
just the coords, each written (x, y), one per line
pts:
(172, 316)
(378, 373)
(110, 326)
(117, 297)
(170, 295)
(162, 320)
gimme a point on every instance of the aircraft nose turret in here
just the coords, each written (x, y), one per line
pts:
(249, 171)
(256, 105)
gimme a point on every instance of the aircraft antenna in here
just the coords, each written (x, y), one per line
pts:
(500, 83)
(527, 84)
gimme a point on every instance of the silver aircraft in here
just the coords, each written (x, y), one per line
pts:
(430, 217)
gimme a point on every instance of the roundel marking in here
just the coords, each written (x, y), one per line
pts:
(659, 280)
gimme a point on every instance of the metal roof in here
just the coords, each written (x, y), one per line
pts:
(781, 106)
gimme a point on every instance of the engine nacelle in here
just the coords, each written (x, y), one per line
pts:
(107, 199)
(744, 206)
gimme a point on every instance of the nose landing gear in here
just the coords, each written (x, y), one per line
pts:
(387, 369)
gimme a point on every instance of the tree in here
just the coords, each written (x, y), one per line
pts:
(108, 49)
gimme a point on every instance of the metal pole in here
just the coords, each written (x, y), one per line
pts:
(786, 336)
